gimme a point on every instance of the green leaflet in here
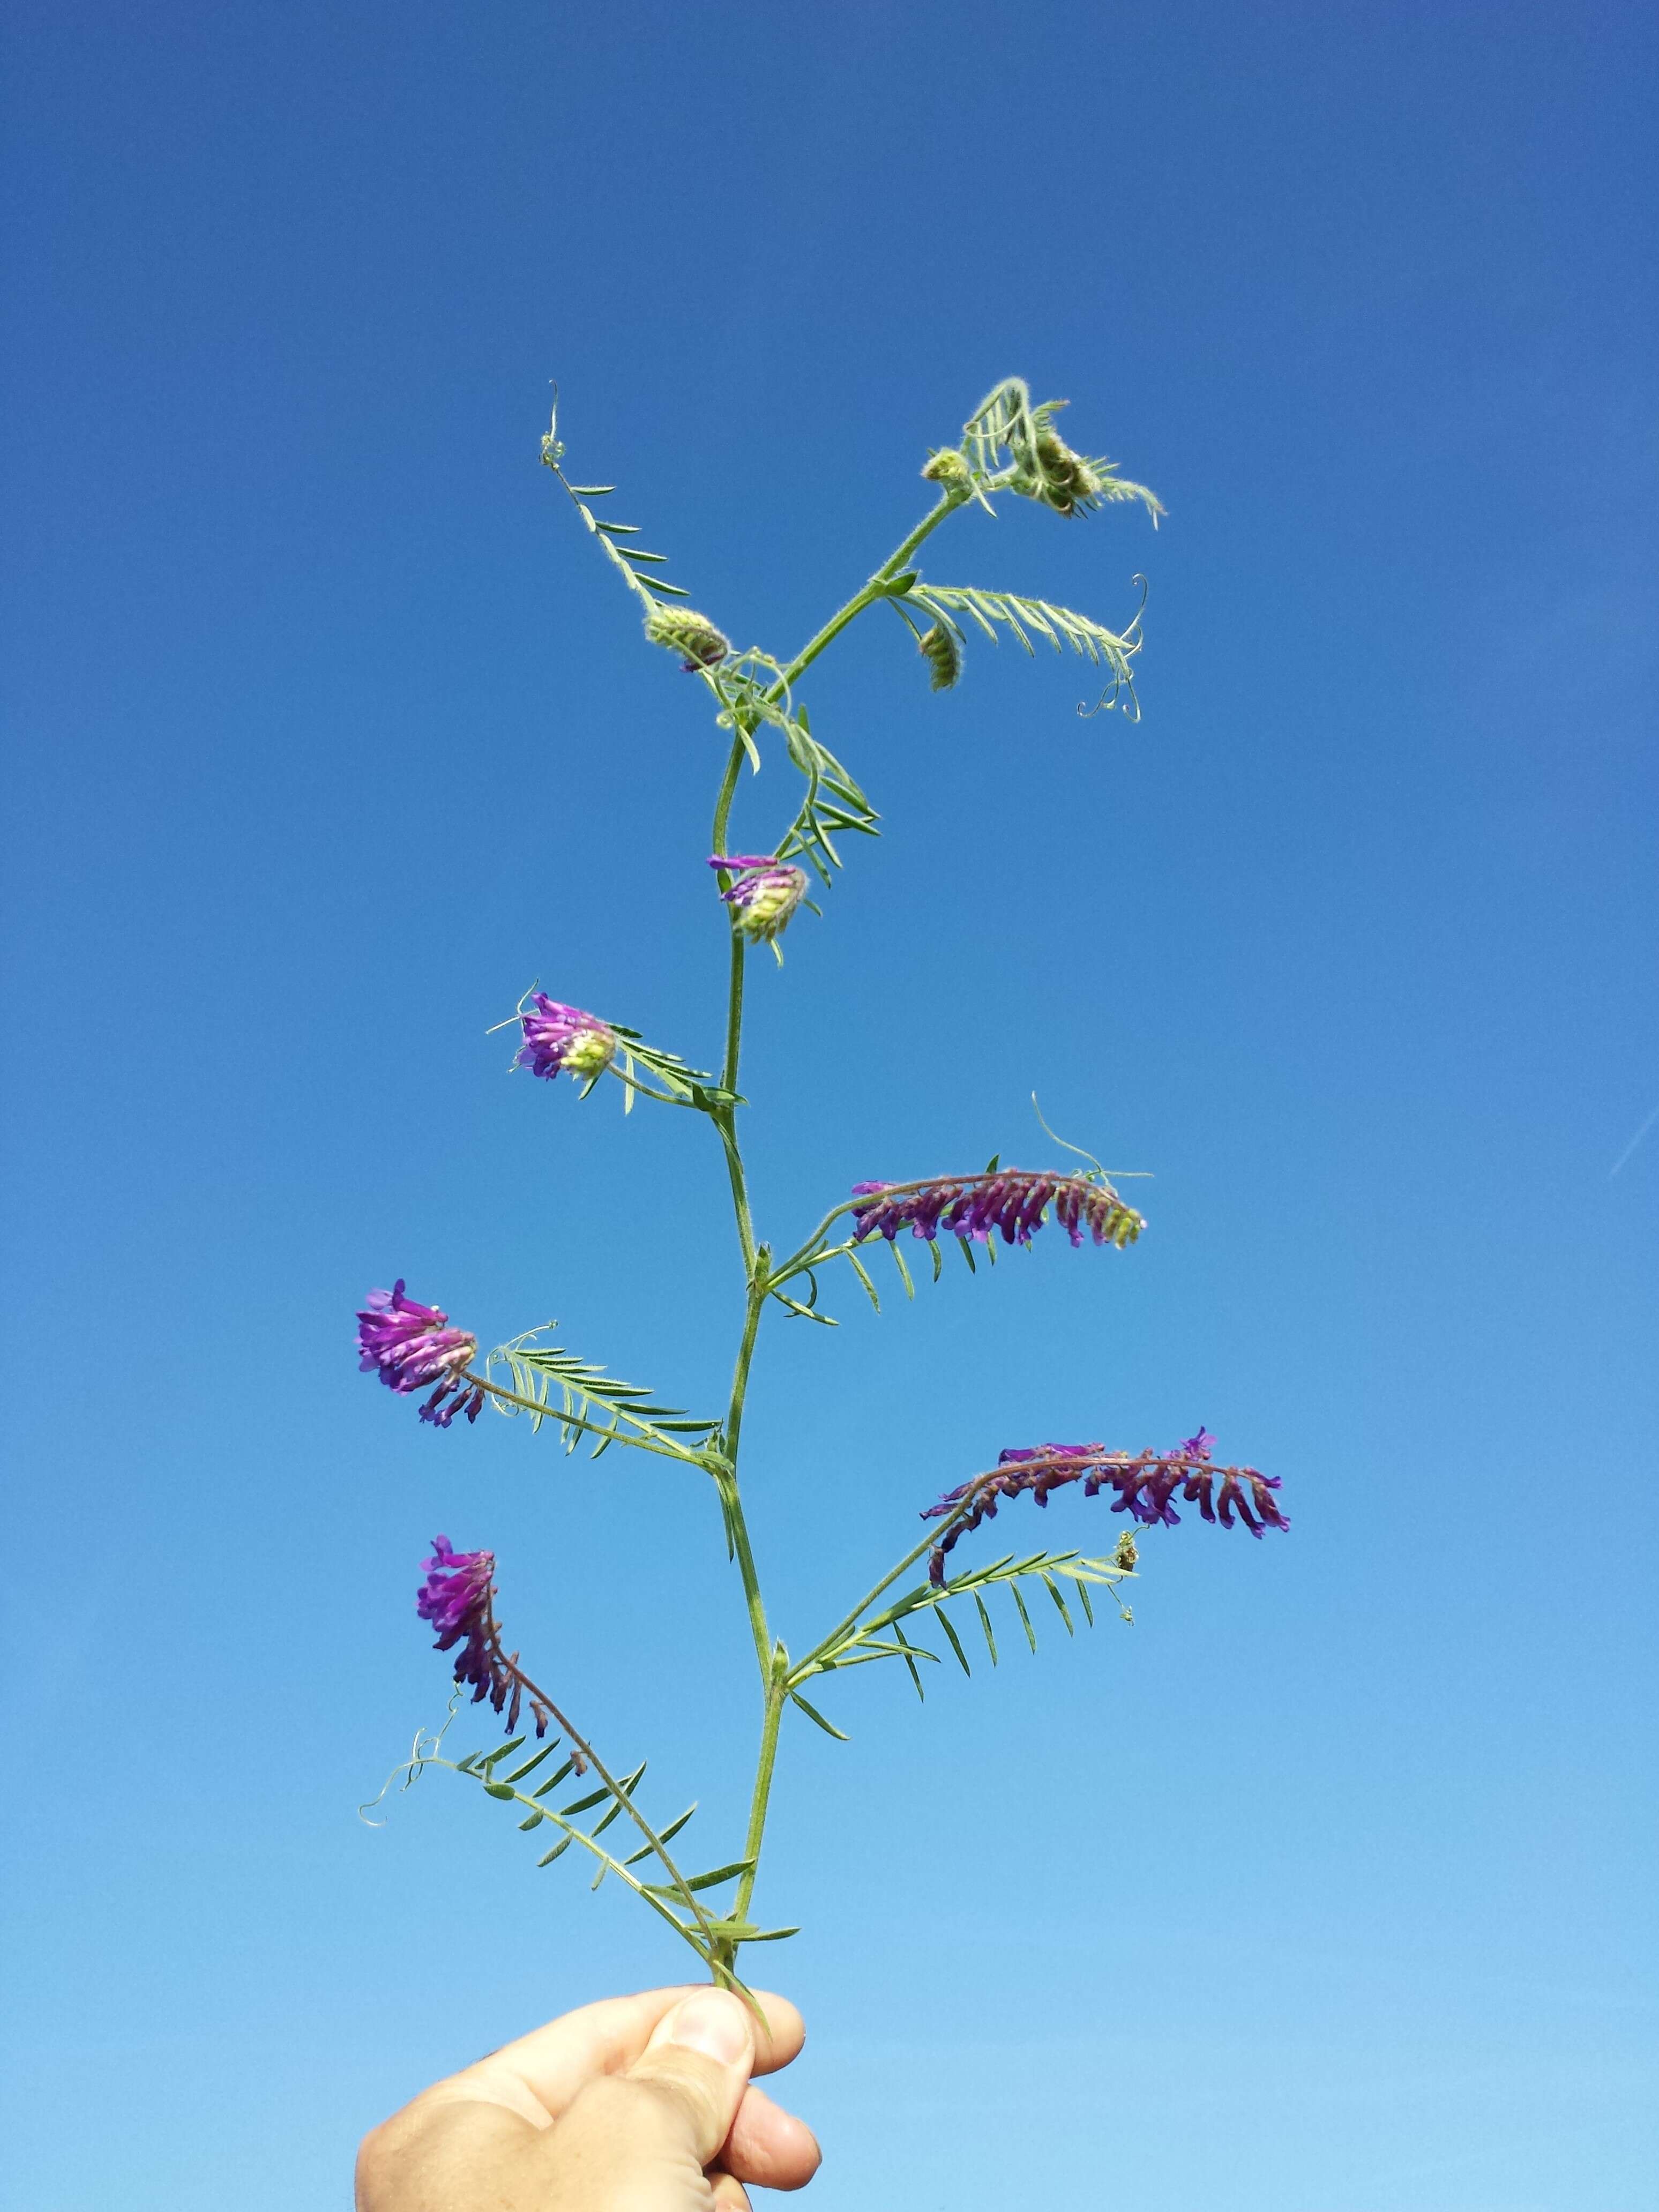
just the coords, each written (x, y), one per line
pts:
(862, 1273)
(532, 1763)
(664, 1836)
(1024, 1617)
(1053, 1588)
(745, 1932)
(954, 1641)
(813, 1714)
(716, 1875)
(910, 1660)
(985, 1623)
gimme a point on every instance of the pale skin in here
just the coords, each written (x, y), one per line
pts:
(640, 2104)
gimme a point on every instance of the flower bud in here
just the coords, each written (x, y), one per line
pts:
(946, 467)
(559, 1037)
(942, 650)
(1053, 473)
(765, 895)
(692, 635)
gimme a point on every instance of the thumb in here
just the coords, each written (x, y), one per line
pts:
(642, 2139)
(701, 2055)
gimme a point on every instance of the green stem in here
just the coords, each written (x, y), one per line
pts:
(756, 1259)
(802, 1668)
(776, 1694)
(731, 1439)
(949, 500)
(809, 1255)
(724, 1119)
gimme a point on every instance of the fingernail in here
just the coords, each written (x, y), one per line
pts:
(712, 2024)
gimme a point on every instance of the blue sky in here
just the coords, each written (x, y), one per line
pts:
(1329, 1884)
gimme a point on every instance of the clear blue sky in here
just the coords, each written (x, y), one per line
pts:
(1328, 1887)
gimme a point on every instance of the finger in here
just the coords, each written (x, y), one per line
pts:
(728, 2193)
(539, 2075)
(770, 2147)
(645, 2136)
(701, 2055)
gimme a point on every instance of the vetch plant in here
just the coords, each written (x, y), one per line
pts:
(577, 1801)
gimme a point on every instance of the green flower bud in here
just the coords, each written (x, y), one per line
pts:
(947, 467)
(1055, 474)
(942, 650)
(589, 1052)
(690, 634)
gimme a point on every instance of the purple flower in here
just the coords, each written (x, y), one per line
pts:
(413, 1347)
(1014, 1201)
(455, 1597)
(765, 895)
(558, 1036)
(1145, 1483)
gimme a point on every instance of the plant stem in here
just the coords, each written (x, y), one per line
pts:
(802, 1668)
(730, 1439)
(776, 1694)
(948, 502)
(724, 1118)
(756, 1259)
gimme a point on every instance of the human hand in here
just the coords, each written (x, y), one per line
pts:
(639, 2104)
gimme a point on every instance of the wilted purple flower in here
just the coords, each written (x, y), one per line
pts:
(455, 1597)
(1012, 1199)
(412, 1347)
(1145, 1483)
(558, 1036)
(765, 895)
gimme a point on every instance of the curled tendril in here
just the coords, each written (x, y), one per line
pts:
(1121, 682)
(425, 1748)
(1124, 1175)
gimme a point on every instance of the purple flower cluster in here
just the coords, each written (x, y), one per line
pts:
(455, 1597)
(413, 1347)
(556, 1036)
(1014, 1201)
(1145, 1483)
(765, 895)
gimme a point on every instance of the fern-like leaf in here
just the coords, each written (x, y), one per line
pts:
(882, 1635)
(675, 1899)
(613, 537)
(584, 1400)
(1061, 626)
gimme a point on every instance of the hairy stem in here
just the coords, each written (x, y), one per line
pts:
(730, 1439)
(949, 500)
(776, 1694)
